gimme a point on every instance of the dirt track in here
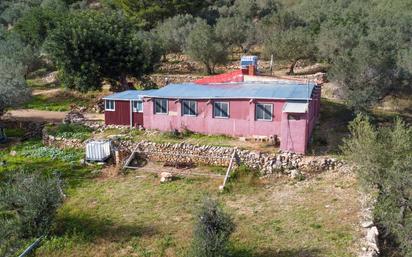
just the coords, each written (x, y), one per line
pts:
(47, 116)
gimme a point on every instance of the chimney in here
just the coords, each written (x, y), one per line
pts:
(252, 70)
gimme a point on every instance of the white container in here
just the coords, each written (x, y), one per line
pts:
(98, 150)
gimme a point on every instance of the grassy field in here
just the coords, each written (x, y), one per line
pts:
(134, 215)
(55, 102)
(187, 137)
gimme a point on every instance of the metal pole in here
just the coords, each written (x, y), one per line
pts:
(31, 247)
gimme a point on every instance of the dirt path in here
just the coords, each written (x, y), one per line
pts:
(46, 91)
(46, 116)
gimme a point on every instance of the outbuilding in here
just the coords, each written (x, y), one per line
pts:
(124, 108)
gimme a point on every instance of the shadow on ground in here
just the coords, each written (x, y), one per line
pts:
(86, 228)
(276, 253)
(331, 128)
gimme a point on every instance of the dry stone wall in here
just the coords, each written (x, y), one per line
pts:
(266, 163)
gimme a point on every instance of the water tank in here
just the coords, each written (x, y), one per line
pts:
(98, 150)
(248, 60)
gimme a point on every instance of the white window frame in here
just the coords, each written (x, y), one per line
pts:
(228, 110)
(135, 109)
(271, 111)
(167, 105)
(109, 109)
(183, 108)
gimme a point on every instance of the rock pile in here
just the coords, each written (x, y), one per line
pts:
(74, 117)
(370, 243)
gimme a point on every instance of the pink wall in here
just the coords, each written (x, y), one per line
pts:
(294, 134)
(240, 123)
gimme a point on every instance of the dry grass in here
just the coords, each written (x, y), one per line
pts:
(135, 215)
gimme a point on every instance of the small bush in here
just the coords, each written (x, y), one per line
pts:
(28, 203)
(212, 231)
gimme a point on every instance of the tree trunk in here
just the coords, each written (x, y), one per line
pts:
(292, 67)
(120, 85)
(164, 58)
(208, 69)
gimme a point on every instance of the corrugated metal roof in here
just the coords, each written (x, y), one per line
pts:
(128, 95)
(291, 107)
(259, 90)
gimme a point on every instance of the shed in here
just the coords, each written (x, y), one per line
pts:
(124, 108)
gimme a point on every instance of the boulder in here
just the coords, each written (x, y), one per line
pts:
(295, 174)
(166, 177)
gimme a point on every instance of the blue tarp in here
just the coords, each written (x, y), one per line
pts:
(242, 90)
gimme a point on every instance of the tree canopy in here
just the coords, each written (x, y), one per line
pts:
(90, 46)
(15, 59)
(173, 32)
(148, 13)
(204, 46)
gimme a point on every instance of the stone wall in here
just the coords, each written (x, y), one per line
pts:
(32, 129)
(266, 163)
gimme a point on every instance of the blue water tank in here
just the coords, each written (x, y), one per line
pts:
(247, 60)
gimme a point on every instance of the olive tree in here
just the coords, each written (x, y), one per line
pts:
(89, 47)
(212, 230)
(173, 32)
(291, 45)
(204, 46)
(28, 203)
(236, 31)
(15, 59)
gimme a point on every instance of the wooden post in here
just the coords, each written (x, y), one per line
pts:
(228, 171)
(130, 157)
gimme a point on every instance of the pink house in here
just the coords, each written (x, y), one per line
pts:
(275, 109)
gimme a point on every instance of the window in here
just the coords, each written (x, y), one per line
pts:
(109, 105)
(264, 112)
(160, 106)
(189, 108)
(221, 110)
(137, 106)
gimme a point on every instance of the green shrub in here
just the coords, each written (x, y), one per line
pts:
(383, 161)
(28, 203)
(212, 230)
